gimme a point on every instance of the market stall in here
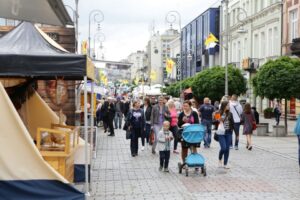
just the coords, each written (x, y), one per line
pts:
(27, 55)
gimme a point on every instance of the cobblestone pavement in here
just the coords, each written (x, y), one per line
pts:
(253, 175)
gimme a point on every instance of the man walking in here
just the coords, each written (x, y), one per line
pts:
(236, 109)
(119, 106)
(206, 112)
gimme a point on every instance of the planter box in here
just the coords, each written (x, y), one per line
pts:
(262, 129)
(278, 131)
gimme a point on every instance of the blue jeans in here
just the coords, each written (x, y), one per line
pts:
(147, 132)
(224, 141)
(299, 149)
(236, 129)
(207, 137)
(118, 118)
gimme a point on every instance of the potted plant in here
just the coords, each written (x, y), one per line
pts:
(268, 113)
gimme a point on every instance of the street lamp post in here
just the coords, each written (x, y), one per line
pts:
(97, 17)
(227, 46)
(98, 37)
(171, 17)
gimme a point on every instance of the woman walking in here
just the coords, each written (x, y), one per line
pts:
(159, 114)
(226, 125)
(248, 120)
(297, 132)
(186, 117)
(147, 113)
(173, 123)
(136, 126)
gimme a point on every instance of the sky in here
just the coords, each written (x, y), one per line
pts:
(127, 23)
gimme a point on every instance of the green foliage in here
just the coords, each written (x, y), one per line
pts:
(211, 83)
(174, 89)
(278, 79)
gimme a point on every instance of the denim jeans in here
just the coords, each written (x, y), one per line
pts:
(299, 149)
(224, 141)
(236, 129)
(147, 133)
(207, 137)
(164, 157)
(174, 130)
(118, 118)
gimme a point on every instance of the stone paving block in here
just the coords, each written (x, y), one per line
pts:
(257, 174)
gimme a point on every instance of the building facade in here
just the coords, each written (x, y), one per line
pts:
(158, 51)
(291, 31)
(194, 56)
(255, 36)
(139, 65)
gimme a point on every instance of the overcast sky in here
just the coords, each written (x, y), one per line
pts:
(126, 24)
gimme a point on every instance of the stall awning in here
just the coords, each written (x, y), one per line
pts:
(26, 52)
(52, 12)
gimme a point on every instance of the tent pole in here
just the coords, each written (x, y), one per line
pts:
(86, 139)
(92, 131)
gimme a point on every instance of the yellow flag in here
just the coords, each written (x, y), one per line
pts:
(153, 75)
(84, 47)
(136, 80)
(211, 41)
(169, 66)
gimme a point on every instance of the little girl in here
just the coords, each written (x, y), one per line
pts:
(164, 146)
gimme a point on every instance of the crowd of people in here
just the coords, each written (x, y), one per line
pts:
(158, 122)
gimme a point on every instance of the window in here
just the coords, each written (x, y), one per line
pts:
(270, 42)
(256, 6)
(262, 4)
(245, 48)
(293, 24)
(238, 59)
(255, 46)
(263, 45)
(276, 41)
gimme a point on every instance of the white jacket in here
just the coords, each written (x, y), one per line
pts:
(236, 109)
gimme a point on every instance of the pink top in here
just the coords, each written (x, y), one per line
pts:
(174, 120)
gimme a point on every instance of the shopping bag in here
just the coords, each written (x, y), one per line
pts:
(151, 137)
(221, 129)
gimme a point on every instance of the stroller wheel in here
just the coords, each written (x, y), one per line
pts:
(179, 168)
(186, 172)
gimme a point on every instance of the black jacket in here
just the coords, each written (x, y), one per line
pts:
(193, 114)
(148, 113)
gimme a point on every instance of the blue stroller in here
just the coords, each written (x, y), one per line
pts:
(193, 135)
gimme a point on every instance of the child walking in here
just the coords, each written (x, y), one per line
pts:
(164, 146)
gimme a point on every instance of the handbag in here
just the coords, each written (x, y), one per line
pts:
(221, 129)
(216, 137)
(151, 137)
(128, 134)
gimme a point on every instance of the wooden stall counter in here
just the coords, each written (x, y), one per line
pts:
(57, 146)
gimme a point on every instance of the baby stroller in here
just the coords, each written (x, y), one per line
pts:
(193, 135)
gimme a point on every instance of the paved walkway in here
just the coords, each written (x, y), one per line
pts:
(253, 175)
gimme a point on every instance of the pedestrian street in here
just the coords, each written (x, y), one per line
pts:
(256, 174)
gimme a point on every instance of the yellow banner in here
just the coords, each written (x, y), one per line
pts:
(169, 66)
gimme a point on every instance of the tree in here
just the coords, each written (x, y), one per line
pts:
(278, 79)
(211, 83)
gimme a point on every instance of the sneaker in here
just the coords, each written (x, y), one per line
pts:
(166, 170)
(236, 148)
(153, 151)
(143, 148)
(111, 135)
(226, 167)
(250, 148)
(160, 168)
